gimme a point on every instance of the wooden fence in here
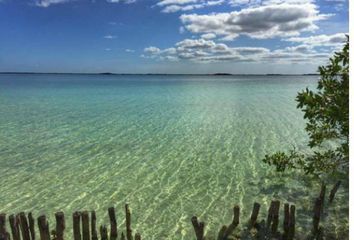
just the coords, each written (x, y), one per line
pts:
(23, 226)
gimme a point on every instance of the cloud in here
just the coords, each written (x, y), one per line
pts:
(320, 40)
(122, 1)
(261, 22)
(170, 6)
(129, 50)
(206, 51)
(47, 3)
(109, 37)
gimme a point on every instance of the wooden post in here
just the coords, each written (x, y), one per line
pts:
(112, 218)
(103, 232)
(334, 191)
(43, 228)
(275, 217)
(198, 228)
(254, 215)
(222, 233)
(31, 226)
(24, 226)
(137, 236)
(292, 223)
(93, 226)
(85, 220)
(234, 223)
(4, 235)
(76, 226)
(60, 225)
(128, 223)
(14, 225)
(286, 221)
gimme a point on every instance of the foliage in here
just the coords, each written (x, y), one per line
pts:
(327, 115)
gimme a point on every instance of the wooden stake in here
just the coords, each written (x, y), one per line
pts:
(4, 235)
(43, 228)
(137, 236)
(112, 218)
(31, 226)
(254, 215)
(76, 226)
(275, 217)
(103, 232)
(93, 226)
(222, 233)
(14, 225)
(128, 223)
(60, 225)
(24, 227)
(234, 223)
(85, 220)
(286, 221)
(292, 222)
(198, 228)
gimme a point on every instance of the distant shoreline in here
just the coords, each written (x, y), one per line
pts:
(161, 74)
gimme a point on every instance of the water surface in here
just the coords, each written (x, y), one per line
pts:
(171, 146)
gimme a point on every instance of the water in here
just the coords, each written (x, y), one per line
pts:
(171, 146)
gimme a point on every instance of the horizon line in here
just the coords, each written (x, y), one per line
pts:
(197, 74)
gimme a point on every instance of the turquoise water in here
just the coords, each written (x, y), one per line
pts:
(171, 146)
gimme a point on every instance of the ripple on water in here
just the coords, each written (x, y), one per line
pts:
(172, 148)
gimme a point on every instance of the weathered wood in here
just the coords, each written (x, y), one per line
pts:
(24, 227)
(137, 236)
(128, 223)
(60, 225)
(254, 215)
(43, 228)
(292, 223)
(222, 233)
(334, 191)
(286, 221)
(113, 221)
(93, 226)
(14, 225)
(31, 226)
(275, 217)
(76, 226)
(234, 223)
(103, 232)
(85, 220)
(198, 228)
(4, 235)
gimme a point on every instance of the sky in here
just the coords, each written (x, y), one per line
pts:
(170, 36)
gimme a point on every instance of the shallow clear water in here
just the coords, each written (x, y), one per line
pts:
(171, 146)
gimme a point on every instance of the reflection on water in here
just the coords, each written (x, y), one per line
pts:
(170, 146)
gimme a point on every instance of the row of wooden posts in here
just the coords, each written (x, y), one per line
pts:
(23, 227)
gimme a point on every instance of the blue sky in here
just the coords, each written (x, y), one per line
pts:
(170, 36)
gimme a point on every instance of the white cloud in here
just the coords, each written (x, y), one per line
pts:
(47, 3)
(170, 6)
(279, 20)
(109, 37)
(129, 50)
(122, 1)
(204, 51)
(337, 39)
